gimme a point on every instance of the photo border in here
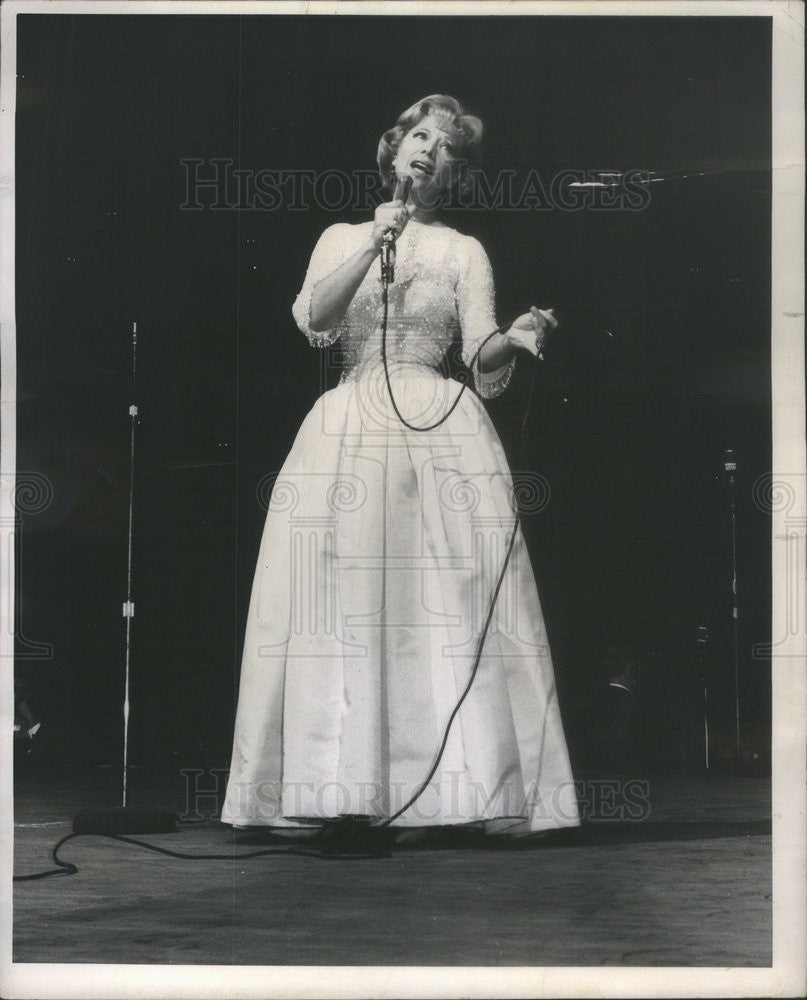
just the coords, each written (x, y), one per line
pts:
(786, 976)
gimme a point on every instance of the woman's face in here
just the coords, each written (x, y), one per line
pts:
(428, 154)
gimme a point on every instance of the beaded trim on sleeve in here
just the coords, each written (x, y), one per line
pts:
(323, 338)
(301, 308)
(490, 384)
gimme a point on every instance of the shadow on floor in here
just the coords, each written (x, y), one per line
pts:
(588, 835)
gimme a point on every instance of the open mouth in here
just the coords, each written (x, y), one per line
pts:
(418, 167)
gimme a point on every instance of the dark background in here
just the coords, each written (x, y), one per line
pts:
(663, 359)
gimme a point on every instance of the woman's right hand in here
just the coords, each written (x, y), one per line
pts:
(389, 215)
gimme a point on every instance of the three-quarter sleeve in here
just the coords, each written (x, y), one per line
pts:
(477, 316)
(328, 254)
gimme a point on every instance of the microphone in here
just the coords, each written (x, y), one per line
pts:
(402, 188)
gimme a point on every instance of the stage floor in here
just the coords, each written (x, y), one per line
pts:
(685, 881)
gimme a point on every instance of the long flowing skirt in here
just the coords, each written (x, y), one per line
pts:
(379, 557)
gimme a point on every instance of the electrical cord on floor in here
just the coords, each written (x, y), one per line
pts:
(68, 868)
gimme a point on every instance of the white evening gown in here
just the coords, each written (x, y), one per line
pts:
(379, 555)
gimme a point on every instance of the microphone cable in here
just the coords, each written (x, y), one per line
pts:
(483, 635)
(315, 851)
(465, 382)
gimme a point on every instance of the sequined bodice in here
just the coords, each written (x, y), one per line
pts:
(422, 319)
(443, 286)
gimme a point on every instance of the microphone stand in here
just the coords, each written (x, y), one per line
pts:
(128, 604)
(702, 639)
(730, 467)
(116, 820)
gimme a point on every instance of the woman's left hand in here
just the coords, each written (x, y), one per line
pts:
(531, 329)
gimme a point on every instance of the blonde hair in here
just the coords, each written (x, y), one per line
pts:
(468, 129)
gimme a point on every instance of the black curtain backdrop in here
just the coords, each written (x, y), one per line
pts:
(663, 358)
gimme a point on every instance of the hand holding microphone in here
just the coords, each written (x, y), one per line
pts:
(390, 222)
(391, 217)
